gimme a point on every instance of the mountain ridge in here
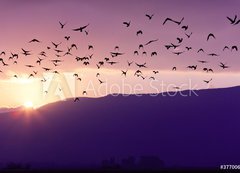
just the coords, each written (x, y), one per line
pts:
(195, 131)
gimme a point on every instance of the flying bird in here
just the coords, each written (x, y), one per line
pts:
(207, 81)
(234, 47)
(67, 37)
(139, 32)
(151, 41)
(232, 20)
(62, 24)
(149, 16)
(56, 45)
(154, 53)
(135, 52)
(76, 99)
(129, 63)
(203, 62)
(210, 35)
(127, 24)
(100, 81)
(141, 65)
(200, 50)
(34, 40)
(81, 28)
(124, 73)
(179, 40)
(188, 35)
(178, 53)
(223, 65)
(185, 27)
(225, 47)
(213, 54)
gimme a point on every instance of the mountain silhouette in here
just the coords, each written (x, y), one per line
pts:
(194, 132)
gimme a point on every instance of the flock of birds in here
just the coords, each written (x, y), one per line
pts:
(9, 58)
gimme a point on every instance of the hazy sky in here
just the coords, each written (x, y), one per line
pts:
(23, 20)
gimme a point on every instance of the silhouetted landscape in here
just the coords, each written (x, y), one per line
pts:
(125, 133)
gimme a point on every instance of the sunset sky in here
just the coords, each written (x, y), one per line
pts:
(24, 20)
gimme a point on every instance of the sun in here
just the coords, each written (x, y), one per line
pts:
(28, 104)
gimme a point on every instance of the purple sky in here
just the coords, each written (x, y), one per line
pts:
(24, 20)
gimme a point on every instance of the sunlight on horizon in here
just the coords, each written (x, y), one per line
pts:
(34, 93)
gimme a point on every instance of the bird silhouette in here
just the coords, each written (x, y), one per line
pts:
(225, 47)
(200, 50)
(106, 59)
(115, 54)
(127, 24)
(73, 46)
(90, 47)
(178, 53)
(211, 35)
(112, 62)
(185, 27)
(166, 20)
(26, 52)
(140, 46)
(176, 87)
(139, 32)
(124, 73)
(138, 72)
(46, 69)
(179, 40)
(62, 24)
(188, 35)
(174, 68)
(232, 20)
(67, 37)
(75, 75)
(234, 48)
(81, 28)
(30, 66)
(193, 67)
(149, 16)
(56, 45)
(155, 71)
(174, 45)
(152, 78)
(174, 21)
(213, 54)
(86, 32)
(141, 65)
(203, 62)
(223, 65)
(210, 70)
(151, 41)
(135, 52)
(129, 63)
(100, 81)
(2, 53)
(207, 81)
(116, 48)
(154, 53)
(31, 75)
(144, 53)
(76, 99)
(34, 40)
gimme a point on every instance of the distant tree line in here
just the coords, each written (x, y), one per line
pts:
(132, 163)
